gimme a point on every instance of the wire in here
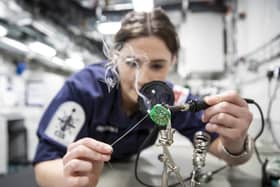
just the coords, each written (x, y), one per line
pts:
(258, 155)
(251, 101)
(129, 130)
(271, 99)
(146, 142)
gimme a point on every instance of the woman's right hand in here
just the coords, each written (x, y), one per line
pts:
(83, 162)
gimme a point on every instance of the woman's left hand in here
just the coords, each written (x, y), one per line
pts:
(229, 116)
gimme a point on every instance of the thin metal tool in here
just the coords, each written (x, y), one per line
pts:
(126, 133)
(129, 130)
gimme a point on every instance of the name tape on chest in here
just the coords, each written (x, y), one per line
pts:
(107, 128)
(66, 123)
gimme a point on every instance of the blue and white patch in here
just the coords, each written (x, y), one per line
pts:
(180, 94)
(66, 123)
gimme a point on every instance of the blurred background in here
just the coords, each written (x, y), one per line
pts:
(225, 44)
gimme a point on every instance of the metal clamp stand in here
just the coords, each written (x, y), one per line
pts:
(165, 140)
(201, 143)
(195, 174)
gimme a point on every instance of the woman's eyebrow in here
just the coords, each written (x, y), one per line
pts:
(158, 60)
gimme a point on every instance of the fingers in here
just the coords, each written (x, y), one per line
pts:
(76, 166)
(82, 151)
(85, 179)
(92, 144)
(229, 96)
(229, 116)
(77, 181)
(83, 162)
(224, 119)
(227, 108)
(89, 149)
(231, 134)
(227, 126)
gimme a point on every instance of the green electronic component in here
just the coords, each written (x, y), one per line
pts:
(160, 115)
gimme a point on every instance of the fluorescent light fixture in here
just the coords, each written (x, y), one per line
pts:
(3, 31)
(14, 44)
(42, 49)
(58, 61)
(143, 5)
(109, 28)
(75, 62)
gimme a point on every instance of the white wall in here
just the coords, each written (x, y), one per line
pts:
(202, 44)
(51, 84)
(261, 24)
(14, 101)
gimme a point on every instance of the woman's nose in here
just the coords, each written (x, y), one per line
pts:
(144, 77)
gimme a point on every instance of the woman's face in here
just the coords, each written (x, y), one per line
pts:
(142, 60)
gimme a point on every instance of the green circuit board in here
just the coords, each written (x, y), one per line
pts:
(160, 115)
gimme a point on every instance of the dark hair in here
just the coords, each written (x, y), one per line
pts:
(155, 23)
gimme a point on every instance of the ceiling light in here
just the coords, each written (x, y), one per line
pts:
(13, 45)
(143, 5)
(109, 28)
(58, 61)
(75, 62)
(3, 31)
(42, 49)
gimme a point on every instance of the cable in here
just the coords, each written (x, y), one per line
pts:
(251, 101)
(265, 176)
(271, 99)
(146, 142)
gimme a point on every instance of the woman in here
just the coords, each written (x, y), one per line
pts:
(98, 104)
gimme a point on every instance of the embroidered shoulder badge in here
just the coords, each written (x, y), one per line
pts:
(66, 123)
